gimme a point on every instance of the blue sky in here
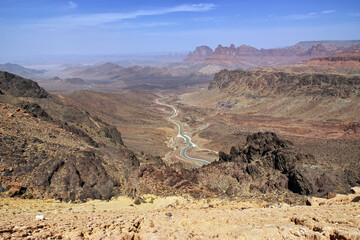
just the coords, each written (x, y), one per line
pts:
(81, 27)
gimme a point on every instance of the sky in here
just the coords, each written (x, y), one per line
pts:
(111, 27)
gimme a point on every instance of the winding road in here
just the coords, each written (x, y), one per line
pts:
(182, 135)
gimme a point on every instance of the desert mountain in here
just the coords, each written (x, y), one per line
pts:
(265, 83)
(248, 56)
(53, 149)
(340, 63)
(345, 43)
(114, 72)
(20, 70)
(58, 85)
(318, 112)
(114, 77)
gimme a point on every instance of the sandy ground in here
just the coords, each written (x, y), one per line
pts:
(177, 218)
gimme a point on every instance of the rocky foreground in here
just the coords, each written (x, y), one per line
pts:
(152, 217)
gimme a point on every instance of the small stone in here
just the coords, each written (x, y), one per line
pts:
(331, 195)
(15, 185)
(169, 214)
(355, 190)
(13, 192)
(39, 217)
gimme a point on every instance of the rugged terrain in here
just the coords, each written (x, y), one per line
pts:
(317, 112)
(180, 218)
(52, 149)
(135, 114)
(111, 77)
(340, 63)
(247, 56)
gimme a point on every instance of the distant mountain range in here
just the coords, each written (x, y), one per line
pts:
(20, 70)
(113, 76)
(247, 56)
(114, 72)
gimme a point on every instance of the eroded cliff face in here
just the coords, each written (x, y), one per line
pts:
(199, 54)
(267, 83)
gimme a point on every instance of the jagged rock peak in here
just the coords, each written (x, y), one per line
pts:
(199, 54)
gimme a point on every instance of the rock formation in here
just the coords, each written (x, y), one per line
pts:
(266, 83)
(265, 164)
(247, 56)
(16, 86)
(56, 150)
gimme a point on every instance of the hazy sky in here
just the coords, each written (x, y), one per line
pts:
(45, 27)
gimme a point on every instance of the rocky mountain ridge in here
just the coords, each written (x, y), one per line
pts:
(114, 72)
(248, 56)
(54, 150)
(266, 83)
(339, 63)
(110, 76)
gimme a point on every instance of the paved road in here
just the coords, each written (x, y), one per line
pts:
(187, 139)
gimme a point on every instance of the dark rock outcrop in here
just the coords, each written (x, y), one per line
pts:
(266, 156)
(265, 164)
(56, 150)
(112, 133)
(16, 86)
(35, 110)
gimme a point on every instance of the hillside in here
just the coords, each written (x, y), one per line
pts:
(318, 113)
(111, 77)
(52, 149)
(266, 83)
(135, 114)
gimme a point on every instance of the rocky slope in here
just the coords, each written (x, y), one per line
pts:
(266, 164)
(52, 149)
(247, 56)
(16, 86)
(268, 83)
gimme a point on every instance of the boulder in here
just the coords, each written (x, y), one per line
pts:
(15, 189)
